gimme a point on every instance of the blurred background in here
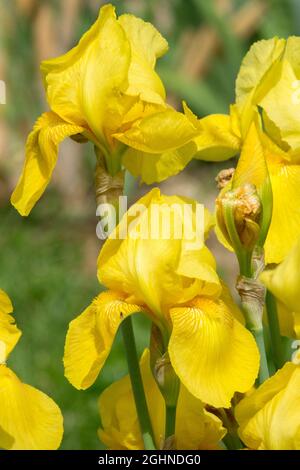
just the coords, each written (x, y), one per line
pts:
(48, 260)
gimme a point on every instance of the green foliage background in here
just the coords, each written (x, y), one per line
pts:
(43, 257)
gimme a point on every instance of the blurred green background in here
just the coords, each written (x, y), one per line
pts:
(48, 261)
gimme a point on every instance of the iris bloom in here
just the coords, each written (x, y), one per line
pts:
(178, 288)
(284, 283)
(106, 90)
(269, 417)
(267, 90)
(196, 428)
(29, 419)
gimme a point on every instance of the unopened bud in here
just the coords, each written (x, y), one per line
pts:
(245, 204)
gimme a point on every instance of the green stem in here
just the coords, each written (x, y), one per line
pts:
(170, 421)
(231, 439)
(137, 384)
(276, 340)
(264, 368)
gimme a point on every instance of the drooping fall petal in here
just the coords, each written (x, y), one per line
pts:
(29, 419)
(226, 359)
(91, 335)
(41, 156)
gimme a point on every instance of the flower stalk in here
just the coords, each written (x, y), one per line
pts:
(137, 384)
(276, 340)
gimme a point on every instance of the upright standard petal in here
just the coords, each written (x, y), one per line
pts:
(91, 335)
(72, 91)
(269, 417)
(41, 156)
(9, 333)
(29, 419)
(258, 72)
(212, 353)
(147, 45)
(284, 230)
(157, 262)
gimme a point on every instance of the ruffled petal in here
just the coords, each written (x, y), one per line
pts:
(147, 45)
(29, 419)
(91, 335)
(41, 156)
(211, 352)
(256, 76)
(72, 91)
(216, 140)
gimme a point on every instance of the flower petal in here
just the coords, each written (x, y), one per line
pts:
(157, 261)
(196, 428)
(160, 132)
(41, 156)
(216, 141)
(255, 78)
(211, 352)
(153, 167)
(269, 417)
(28, 416)
(91, 335)
(147, 45)
(120, 426)
(72, 91)
(9, 333)
(282, 107)
(284, 230)
(284, 280)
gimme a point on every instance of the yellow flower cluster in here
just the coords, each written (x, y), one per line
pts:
(106, 91)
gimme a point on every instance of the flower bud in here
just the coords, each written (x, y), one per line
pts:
(244, 206)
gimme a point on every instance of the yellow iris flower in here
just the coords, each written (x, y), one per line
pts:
(284, 283)
(196, 428)
(29, 419)
(269, 418)
(175, 285)
(106, 90)
(267, 90)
